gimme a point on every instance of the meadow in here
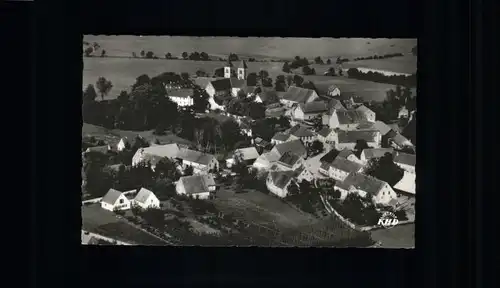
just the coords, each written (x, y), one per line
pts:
(404, 64)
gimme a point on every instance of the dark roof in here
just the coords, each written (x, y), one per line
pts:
(314, 107)
(399, 139)
(346, 165)
(289, 159)
(353, 136)
(243, 64)
(377, 152)
(362, 182)
(335, 104)
(281, 178)
(195, 156)
(405, 158)
(298, 94)
(366, 126)
(276, 112)
(325, 166)
(345, 153)
(183, 93)
(325, 131)
(249, 153)
(350, 116)
(267, 95)
(294, 146)
(330, 156)
(280, 136)
(222, 84)
(197, 183)
(301, 131)
(111, 196)
(238, 83)
(382, 127)
(364, 109)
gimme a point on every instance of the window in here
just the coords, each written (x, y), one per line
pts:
(121, 201)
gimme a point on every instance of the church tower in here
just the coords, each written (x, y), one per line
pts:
(242, 70)
(227, 69)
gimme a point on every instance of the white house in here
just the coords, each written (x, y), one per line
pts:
(333, 91)
(405, 161)
(297, 95)
(281, 137)
(277, 182)
(346, 119)
(374, 153)
(327, 135)
(348, 139)
(302, 173)
(196, 186)
(115, 199)
(407, 184)
(403, 113)
(303, 133)
(153, 154)
(380, 191)
(146, 199)
(341, 168)
(369, 114)
(248, 155)
(183, 97)
(289, 161)
(201, 162)
(266, 160)
(309, 110)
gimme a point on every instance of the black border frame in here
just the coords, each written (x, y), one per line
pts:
(444, 35)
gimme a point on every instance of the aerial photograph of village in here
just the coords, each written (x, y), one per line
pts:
(237, 142)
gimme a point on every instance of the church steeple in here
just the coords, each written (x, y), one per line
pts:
(227, 68)
(242, 70)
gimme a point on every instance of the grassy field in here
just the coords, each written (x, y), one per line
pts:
(398, 237)
(257, 47)
(404, 64)
(122, 72)
(113, 136)
(369, 91)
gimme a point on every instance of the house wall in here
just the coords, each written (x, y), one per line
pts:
(385, 195)
(182, 101)
(407, 168)
(341, 146)
(305, 175)
(210, 90)
(227, 72)
(298, 113)
(276, 190)
(337, 174)
(151, 202)
(204, 195)
(370, 115)
(121, 145)
(235, 91)
(335, 92)
(333, 121)
(179, 188)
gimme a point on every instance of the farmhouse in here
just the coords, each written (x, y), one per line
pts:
(346, 119)
(364, 185)
(289, 161)
(407, 184)
(183, 97)
(348, 139)
(374, 153)
(341, 168)
(247, 155)
(295, 146)
(327, 135)
(146, 199)
(115, 200)
(201, 162)
(281, 137)
(333, 91)
(154, 154)
(219, 87)
(369, 114)
(405, 161)
(197, 186)
(303, 133)
(309, 110)
(277, 182)
(298, 95)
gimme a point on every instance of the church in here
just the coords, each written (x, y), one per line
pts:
(230, 84)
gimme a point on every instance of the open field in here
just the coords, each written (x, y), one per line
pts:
(257, 47)
(401, 236)
(369, 91)
(113, 136)
(99, 221)
(404, 64)
(122, 72)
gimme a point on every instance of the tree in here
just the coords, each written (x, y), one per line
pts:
(185, 76)
(360, 146)
(336, 194)
(263, 74)
(88, 51)
(293, 188)
(331, 72)
(204, 56)
(328, 61)
(103, 53)
(241, 94)
(219, 72)
(150, 55)
(200, 100)
(141, 81)
(188, 171)
(286, 67)
(89, 95)
(297, 80)
(317, 147)
(160, 129)
(201, 73)
(252, 79)
(143, 53)
(280, 83)
(318, 60)
(309, 85)
(289, 80)
(341, 72)
(230, 131)
(385, 169)
(104, 86)
(167, 170)
(185, 55)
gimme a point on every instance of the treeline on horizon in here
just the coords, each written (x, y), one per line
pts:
(405, 81)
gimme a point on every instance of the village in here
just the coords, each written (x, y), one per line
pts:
(232, 159)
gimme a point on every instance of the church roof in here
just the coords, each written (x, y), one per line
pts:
(243, 64)
(228, 63)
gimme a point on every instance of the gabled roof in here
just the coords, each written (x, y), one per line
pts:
(237, 83)
(325, 131)
(364, 109)
(281, 178)
(345, 153)
(111, 196)
(289, 159)
(345, 165)
(247, 153)
(405, 158)
(301, 131)
(182, 93)
(354, 136)
(298, 94)
(280, 136)
(197, 183)
(294, 146)
(350, 116)
(335, 104)
(366, 126)
(329, 157)
(362, 182)
(195, 156)
(381, 127)
(400, 140)
(267, 95)
(203, 81)
(101, 149)
(222, 84)
(332, 88)
(143, 195)
(313, 107)
(155, 153)
(243, 64)
(376, 152)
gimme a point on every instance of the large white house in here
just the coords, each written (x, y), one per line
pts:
(115, 200)
(196, 186)
(379, 191)
(303, 133)
(247, 155)
(183, 97)
(146, 199)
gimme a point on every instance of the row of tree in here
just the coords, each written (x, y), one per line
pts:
(385, 56)
(409, 81)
